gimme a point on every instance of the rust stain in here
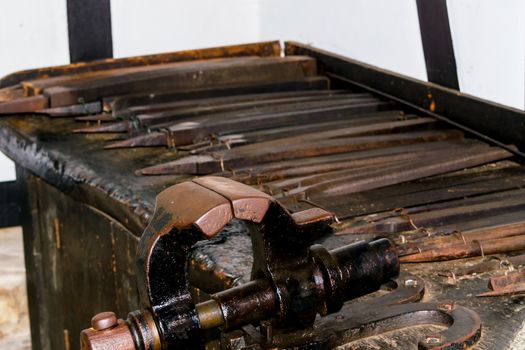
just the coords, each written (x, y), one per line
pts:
(432, 106)
(66, 340)
(113, 257)
(57, 233)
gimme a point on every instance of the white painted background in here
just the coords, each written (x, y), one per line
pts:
(488, 35)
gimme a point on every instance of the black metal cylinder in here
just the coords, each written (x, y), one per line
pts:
(354, 270)
(321, 285)
(366, 266)
(253, 301)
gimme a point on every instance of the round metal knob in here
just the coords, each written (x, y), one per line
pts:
(104, 320)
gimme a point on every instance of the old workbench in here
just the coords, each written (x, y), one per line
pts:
(84, 211)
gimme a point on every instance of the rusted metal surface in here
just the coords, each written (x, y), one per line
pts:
(92, 87)
(511, 283)
(288, 287)
(24, 105)
(376, 315)
(95, 339)
(383, 168)
(487, 120)
(271, 48)
(104, 320)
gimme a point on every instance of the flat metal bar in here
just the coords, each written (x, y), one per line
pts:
(182, 134)
(489, 121)
(268, 152)
(436, 190)
(120, 105)
(180, 76)
(405, 173)
(186, 111)
(269, 48)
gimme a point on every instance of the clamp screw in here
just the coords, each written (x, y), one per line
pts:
(104, 320)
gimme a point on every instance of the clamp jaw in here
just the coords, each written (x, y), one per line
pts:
(292, 281)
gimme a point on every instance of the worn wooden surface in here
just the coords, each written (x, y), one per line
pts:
(79, 261)
(82, 236)
(85, 211)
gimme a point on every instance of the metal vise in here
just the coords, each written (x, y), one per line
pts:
(292, 281)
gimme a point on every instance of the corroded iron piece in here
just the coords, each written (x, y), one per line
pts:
(291, 281)
(374, 316)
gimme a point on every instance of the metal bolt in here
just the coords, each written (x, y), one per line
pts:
(411, 283)
(104, 320)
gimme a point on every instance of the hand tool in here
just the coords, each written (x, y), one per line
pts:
(292, 281)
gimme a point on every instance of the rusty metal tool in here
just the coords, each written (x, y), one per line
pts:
(292, 281)
(120, 105)
(487, 264)
(350, 181)
(158, 115)
(127, 105)
(270, 48)
(451, 251)
(401, 173)
(423, 192)
(179, 76)
(511, 283)
(248, 155)
(279, 96)
(66, 90)
(189, 131)
(373, 316)
(448, 213)
(265, 172)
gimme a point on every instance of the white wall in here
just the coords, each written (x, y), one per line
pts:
(388, 30)
(7, 169)
(384, 33)
(144, 27)
(489, 44)
(33, 33)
